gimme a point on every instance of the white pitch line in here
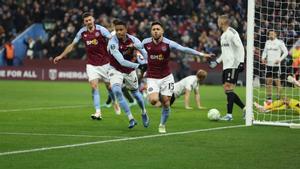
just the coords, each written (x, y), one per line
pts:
(117, 140)
(48, 108)
(44, 108)
(58, 135)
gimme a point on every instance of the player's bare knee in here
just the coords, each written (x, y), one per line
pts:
(227, 87)
(153, 101)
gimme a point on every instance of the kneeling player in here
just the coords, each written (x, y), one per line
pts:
(185, 86)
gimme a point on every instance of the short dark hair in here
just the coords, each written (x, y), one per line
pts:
(156, 23)
(115, 21)
(119, 22)
(86, 14)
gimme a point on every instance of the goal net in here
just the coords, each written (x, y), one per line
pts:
(274, 88)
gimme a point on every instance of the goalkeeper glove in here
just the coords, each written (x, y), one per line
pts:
(241, 67)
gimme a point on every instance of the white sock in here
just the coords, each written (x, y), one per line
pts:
(130, 117)
(144, 111)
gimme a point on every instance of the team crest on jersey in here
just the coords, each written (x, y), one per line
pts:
(84, 35)
(164, 48)
(97, 34)
(148, 48)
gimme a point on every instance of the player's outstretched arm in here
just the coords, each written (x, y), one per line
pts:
(67, 50)
(177, 46)
(70, 47)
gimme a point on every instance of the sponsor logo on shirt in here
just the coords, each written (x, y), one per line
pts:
(157, 57)
(92, 42)
(274, 49)
(225, 44)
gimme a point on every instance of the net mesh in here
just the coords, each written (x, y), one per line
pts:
(282, 17)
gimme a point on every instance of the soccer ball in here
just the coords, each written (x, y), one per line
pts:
(213, 114)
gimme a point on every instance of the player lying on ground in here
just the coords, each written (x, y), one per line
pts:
(276, 105)
(281, 104)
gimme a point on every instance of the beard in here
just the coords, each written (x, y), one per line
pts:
(157, 38)
(90, 26)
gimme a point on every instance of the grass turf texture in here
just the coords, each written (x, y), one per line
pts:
(245, 147)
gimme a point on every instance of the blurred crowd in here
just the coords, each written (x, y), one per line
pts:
(283, 17)
(191, 23)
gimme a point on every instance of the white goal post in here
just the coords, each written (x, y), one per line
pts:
(267, 104)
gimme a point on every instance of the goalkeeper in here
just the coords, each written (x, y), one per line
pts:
(281, 104)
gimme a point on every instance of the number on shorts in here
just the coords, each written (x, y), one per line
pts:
(171, 86)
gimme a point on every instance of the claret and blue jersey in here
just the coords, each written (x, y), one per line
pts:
(122, 53)
(95, 43)
(159, 56)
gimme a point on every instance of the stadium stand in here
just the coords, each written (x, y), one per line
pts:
(191, 23)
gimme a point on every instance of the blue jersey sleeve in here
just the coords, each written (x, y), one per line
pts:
(174, 45)
(105, 32)
(114, 50)
(78, 35)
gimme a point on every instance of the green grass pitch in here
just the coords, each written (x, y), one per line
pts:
(35, 115)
